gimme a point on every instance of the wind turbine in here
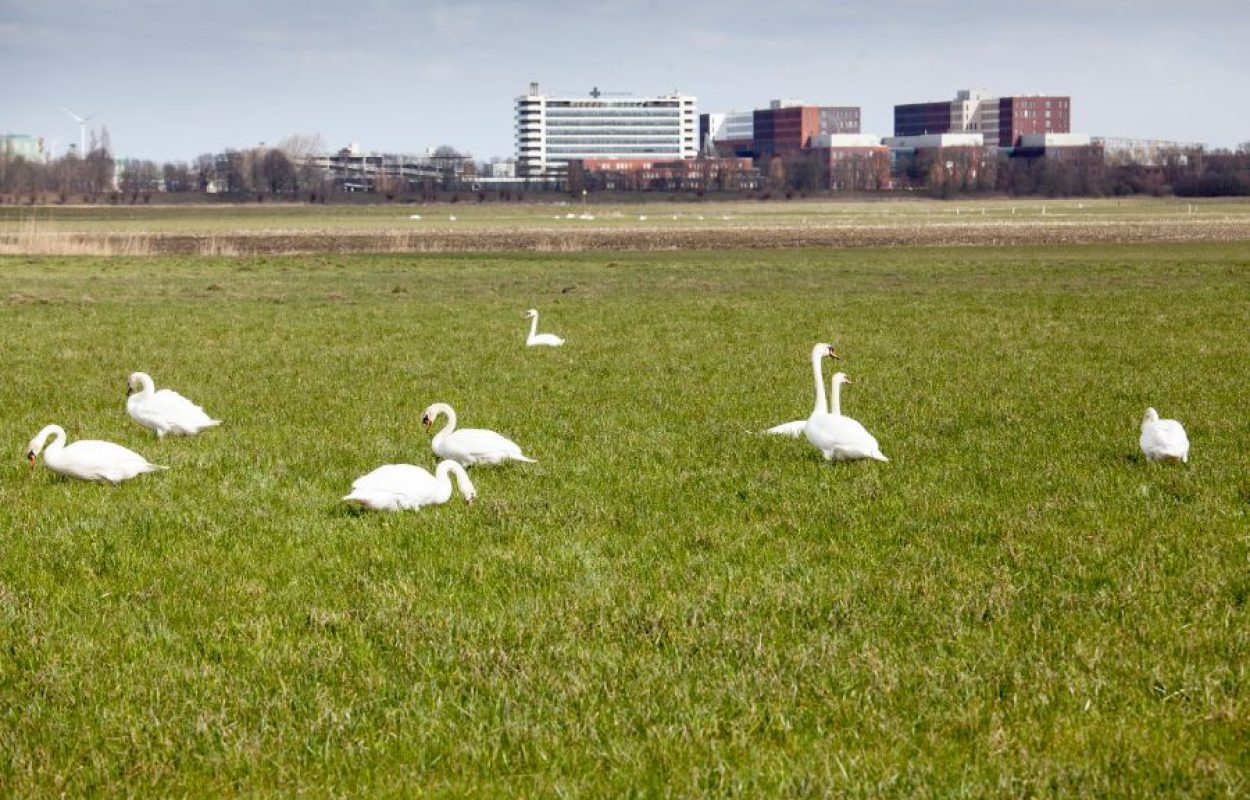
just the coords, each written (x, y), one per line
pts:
(82, 130)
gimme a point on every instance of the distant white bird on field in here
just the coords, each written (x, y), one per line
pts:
(165, 411)
(795, 429)
(642, 217)
(536, 339)
(87, 459)
(414, 216)
(469, 446)
(452, 217)
(1163, 439)
(838, 437)
(403, 487)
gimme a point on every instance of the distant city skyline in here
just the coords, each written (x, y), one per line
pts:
(172, 80)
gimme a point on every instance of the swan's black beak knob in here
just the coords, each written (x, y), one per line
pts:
(426, 422)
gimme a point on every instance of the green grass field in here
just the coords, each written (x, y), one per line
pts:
(667, 604)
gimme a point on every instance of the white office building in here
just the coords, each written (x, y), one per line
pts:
(552, 131)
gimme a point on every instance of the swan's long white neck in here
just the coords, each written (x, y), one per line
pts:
(534, 325)
(818, 353)
(146, 387)
(835, 398)
(443, 473)
(443, 408)
(54, 448)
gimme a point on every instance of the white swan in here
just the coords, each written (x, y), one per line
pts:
(795, 429)
(1163, 439)
(469, 446)
(401, 487)
(87, 460)
(165, 411)
(535, 338)
(840, 438)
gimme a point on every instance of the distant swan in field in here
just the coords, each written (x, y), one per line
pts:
(795, 429)
(537, 339)
(1163, 439)
(403, 487)
(838, 437)
(165, 411)
(87, 459)
(469, 446)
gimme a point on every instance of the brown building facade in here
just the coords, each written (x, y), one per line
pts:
(1022, 115)
(786, 129)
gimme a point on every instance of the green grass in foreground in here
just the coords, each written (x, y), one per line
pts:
(667, 603)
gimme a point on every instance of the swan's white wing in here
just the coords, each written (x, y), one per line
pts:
(842, 438)
(94, 460)
(477, 446)
(791, 429)
(166, 410)
(1164, 439)
(547, 339)
(394, 487)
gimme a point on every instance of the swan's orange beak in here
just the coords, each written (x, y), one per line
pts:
(834, 355)
(30, 456)
(848, 381)
(426, 422)
(470, 500)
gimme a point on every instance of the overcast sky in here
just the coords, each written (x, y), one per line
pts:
(173, 79)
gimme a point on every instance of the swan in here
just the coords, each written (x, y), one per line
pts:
(1163, 439)
(795, 429)
(165, 411)
(540, 339)
(469, 446)
(401, 487)
(87, 459)
(838, 437)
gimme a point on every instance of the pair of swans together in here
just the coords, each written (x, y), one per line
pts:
(837, 437)
(401, 487)
(163, 412)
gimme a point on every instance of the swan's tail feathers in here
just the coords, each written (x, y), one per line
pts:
(525, 458)
(212, 423)
(155, 467)
(878, 455)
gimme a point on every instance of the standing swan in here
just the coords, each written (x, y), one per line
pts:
(537, 339)
(400, 487)
(1163, 439)
(795, 429)
(87, 459)
(840, 438)
(165, 411)
(469, 446)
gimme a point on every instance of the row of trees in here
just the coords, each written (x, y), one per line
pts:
(290, 171)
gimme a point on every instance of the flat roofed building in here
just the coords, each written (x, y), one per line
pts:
(1002, 120)
(786, 126)
(552, 131)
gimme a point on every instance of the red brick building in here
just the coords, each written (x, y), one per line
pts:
(1031, 114)
(783, 129)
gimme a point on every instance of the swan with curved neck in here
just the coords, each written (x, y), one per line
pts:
(839, 437)
(469, 446)
(795, 429)
(402, 487)
(163, 411)
(537, 339)
(87, 459)
(1163, 439)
